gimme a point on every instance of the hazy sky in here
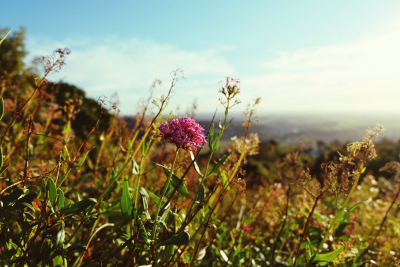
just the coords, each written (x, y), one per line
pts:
(298, 56)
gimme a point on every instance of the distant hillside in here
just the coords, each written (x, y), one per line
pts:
(293, 129)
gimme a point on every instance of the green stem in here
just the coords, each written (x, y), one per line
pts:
(163, 192)
(65, 177)
(201, 182)
(76, 230)
(138, 182)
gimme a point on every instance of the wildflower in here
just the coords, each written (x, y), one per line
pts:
(246, 228)
(250, 144)
(185, 133)
(232, 86)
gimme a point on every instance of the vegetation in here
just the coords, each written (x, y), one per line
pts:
(79, 188)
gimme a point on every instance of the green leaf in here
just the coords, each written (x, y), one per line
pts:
(355, 205)
(200, 198)
(177, 240)
(310, 247)
(328, 257)
(145, 147)
(29, 206)
(5, 36)
(314, 243)
(142, 232)
(351, 263)
(52, 191)
(154, 197)
(164, 213)
(27, 199)
(144, 204)
(229, 123)
(82, 160)
(225, 182)
(3, 169)
(216, 167)
(60, 201)
(58, 261)
(238, 254)
(14, 196)
(182, 188)
(126, 202)
(202, 193)
(60, 235)
(175, 181)
(196, 167)
(80, 206)
(216, 141)
(135, 167)
(210, 140)
(166, 255)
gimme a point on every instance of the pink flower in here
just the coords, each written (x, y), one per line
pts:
(185, 133)
(232, 85)
(246, 228)
(354, 218)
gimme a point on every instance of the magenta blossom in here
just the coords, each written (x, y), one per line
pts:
(185, 133)
(247, 228)
(232, 86)
(232, 82)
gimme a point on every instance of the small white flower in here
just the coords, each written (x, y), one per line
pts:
(368, 201)
(354, 250)
(374, 190)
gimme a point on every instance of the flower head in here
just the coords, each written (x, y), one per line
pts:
(246, 228)
(232, 86)
(185, 133)
(230, 90)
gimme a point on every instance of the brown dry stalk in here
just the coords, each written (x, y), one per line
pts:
(303, 236)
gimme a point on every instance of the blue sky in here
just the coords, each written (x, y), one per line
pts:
(298, 56)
